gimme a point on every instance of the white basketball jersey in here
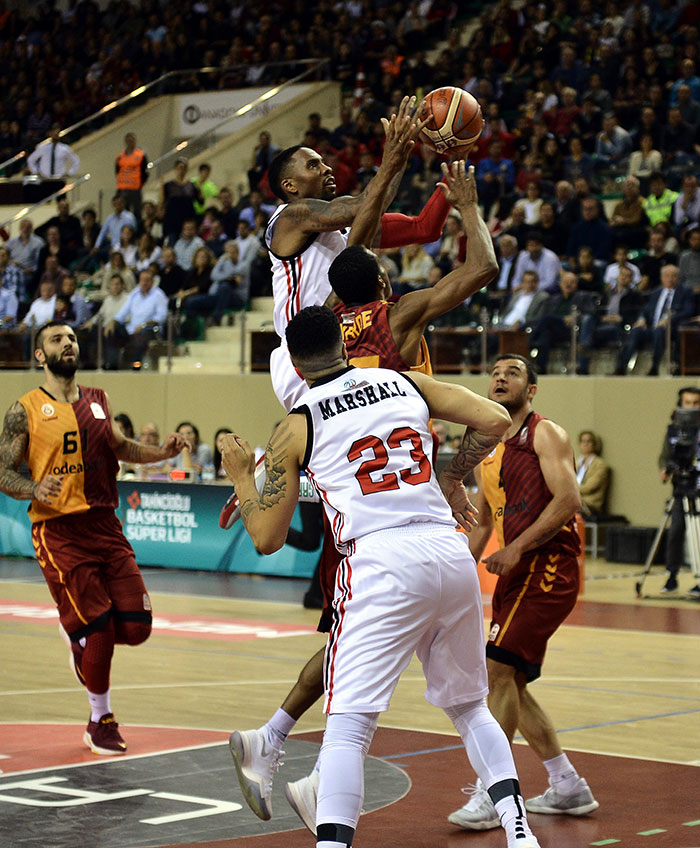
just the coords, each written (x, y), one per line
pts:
(369, 453)
(301, 280)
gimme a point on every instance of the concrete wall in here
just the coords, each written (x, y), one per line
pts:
(629, 413)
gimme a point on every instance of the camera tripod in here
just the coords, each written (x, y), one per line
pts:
(691, 517)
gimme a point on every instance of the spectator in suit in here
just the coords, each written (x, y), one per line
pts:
(670, 302)
(527, 304)
(566, 206)
(554, 327)
(653, 261)
(591, 231)
(605, 327)
(689, 263)
(536, 257)
(508, 254)
(592, 473)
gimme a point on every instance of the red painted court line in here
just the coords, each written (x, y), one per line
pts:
(39, 746)
(201, 627)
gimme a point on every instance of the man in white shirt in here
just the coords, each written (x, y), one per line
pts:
(137, 323)
(612, 272)
(526, 305)
(42, 308)
(53, 160)
(536, 257)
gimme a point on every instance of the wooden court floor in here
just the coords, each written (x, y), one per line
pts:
(621, 682)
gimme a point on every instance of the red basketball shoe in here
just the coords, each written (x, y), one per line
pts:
(103, 737)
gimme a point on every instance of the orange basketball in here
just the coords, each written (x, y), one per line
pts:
(456, 120)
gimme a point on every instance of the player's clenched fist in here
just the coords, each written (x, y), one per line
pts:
(237, 457)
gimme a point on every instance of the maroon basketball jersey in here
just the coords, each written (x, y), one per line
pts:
(367, 336)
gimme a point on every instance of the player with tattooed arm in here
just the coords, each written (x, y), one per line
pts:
(407, 582)
(68, 437)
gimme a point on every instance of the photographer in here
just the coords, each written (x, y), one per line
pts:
(678, 462)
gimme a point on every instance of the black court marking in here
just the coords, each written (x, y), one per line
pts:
(190, 795)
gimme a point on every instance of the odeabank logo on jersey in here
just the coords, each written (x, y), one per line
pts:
(78, 467)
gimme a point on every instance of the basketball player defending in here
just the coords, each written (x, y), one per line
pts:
(68, 438)
(407, 582)
(377, 334)
(528, 489)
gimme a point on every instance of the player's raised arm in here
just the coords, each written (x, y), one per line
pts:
(13, 444)
(418, 308)
(135, 453)
(267, 515)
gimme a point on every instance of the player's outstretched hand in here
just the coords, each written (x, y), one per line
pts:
(463, 510)
(459, 184)
(48, 489)
(173, 445)
(237, 457)
(402, 130)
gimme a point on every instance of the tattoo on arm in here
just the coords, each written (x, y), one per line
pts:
(475, 447)
(321, 216)
(13, 443)
(275, 486)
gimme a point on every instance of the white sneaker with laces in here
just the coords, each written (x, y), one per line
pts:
(578, 802)
(256, 762)
(301, 795)
(479, 812)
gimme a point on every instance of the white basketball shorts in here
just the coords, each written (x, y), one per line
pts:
(400, 591)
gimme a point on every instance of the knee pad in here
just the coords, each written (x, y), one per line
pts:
(467, 717)
(350, 730)
(131, 632)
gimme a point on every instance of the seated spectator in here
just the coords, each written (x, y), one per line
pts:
(689, 262)
(590, 275)
(612, 272)
(42, 308)
(147, 252)
(101, 277)
(124, 423)
(255, 205)
(196, 454)
(507, 257)
(659, 204)
(551, 164)
(687, 78)
(69, 228)
(415, 269)
(628, 220)
(111, 233)
(197, 279)
(531, 203)
(671, 302)
(449, 245)
(219, 472)
(64, 311)
(151, 221)
(653, 261)
(588, 122)
(645, 161)
(11, 277)
(495, 176)
(554, 233)
(605, 327)
(53, 272)
(149, 435)
(515, 226)
(527, 305)
(228, 214)
(263, 154)
(79, 307)
(248, 243)
(578, 163)
(554, 327)
(110, 306)
(613, 142)
(216, 238)
(25, 250)
(172, 276)
(207, 188)
(8, 302)
(686, 209)
(187, 245)
(230, 279)
(54, 247)
(560, 120)
(689, 108)
(536, 257)
(677, 139)
(592, 473)
(671, 244)
(367, 170)
(86, 261)
(566, 205)
(128, 246)
(591, 231)
(138, 322)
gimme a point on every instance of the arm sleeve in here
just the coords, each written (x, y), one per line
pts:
(399, 230)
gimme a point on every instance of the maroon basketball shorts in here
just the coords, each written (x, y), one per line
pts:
(91, 571)
(528, 606)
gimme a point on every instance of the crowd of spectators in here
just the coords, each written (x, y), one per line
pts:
(586, 168)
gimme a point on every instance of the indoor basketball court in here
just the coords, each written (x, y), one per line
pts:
(621, 683)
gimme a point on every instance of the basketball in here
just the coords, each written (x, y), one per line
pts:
(456, 120)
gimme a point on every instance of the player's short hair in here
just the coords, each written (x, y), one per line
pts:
(39, 338)
(353, 275)
(529, 365)
(313, 334)
(278, 170)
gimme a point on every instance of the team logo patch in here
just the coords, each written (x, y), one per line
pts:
(147, 602)
(97, 411)
(494, 632)
(349, 384)
(47, 410)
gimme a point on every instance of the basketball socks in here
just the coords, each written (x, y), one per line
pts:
(278, 728)
(510, 807)
(561, 774)
(334, 836)
(99, 705)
